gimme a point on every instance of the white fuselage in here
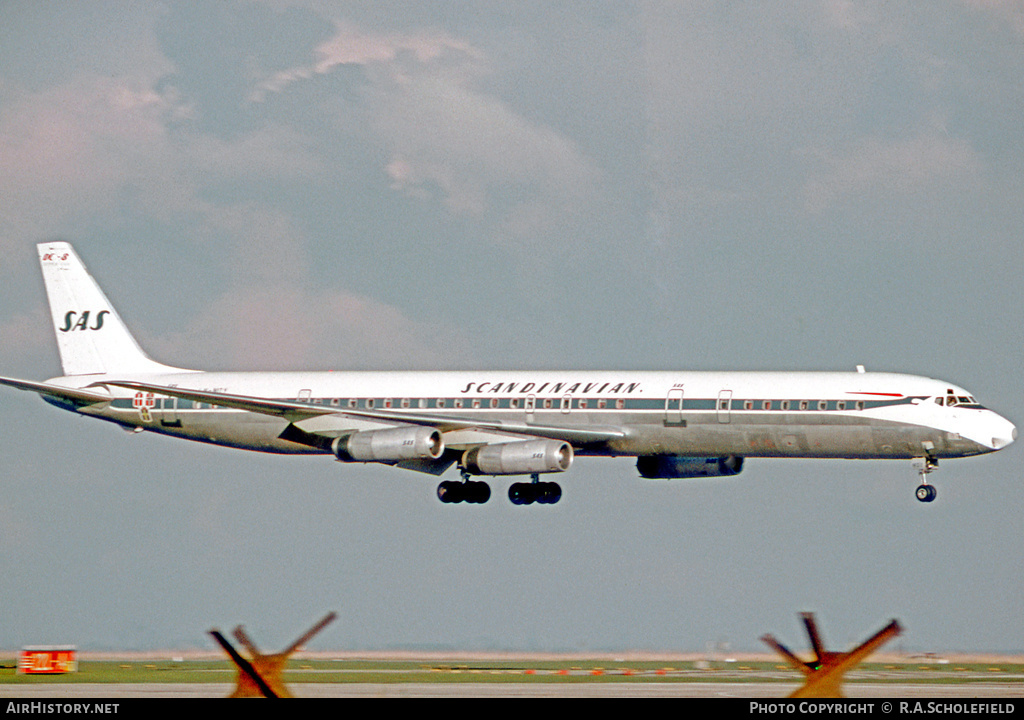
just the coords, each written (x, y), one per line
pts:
(744, 414)
(503, 423)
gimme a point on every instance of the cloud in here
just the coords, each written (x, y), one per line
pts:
(82, 149)
(472, 147)
(270, 316)
(350, 46)
(27, 338)
(289, 327)
(444, 139)
(1008, 12)
(68, 150)
(273, 150)
(890, 167)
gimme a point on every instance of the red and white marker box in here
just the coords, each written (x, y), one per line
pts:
(48, 659)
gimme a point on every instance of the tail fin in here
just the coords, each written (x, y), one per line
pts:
(91, 337)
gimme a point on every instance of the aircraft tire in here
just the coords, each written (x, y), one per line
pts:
(926, 493)
(549, 493)
(449, 492)
(470, 491)
(477, 492)
(521, 493)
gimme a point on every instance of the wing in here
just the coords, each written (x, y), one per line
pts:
(296, 412)
(75, 396)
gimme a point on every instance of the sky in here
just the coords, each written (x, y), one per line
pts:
(810, 185)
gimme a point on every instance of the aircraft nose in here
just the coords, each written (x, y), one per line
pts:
(1003, 433)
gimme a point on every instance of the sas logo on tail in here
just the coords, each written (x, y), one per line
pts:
(82, 322)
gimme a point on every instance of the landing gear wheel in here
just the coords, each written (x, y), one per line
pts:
(521, 493)
(449, 492)
(471, 491)
(542, 493)
(925, 465)
(479, 492)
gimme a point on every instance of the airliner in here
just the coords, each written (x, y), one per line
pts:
(492, 423)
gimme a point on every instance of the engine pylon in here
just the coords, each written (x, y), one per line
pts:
(824, 675)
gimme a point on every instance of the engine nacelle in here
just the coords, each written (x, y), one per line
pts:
(518, 458)
(391, 445)
(663, 467)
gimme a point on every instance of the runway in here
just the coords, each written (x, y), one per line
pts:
(773, 690)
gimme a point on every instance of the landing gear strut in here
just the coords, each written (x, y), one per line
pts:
(925, 465)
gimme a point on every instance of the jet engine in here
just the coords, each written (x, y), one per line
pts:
(391, 445)
(663, 467)
(518, 458)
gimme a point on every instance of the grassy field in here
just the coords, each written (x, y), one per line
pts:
(573, 670)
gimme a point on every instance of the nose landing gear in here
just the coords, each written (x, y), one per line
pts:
(925, 465)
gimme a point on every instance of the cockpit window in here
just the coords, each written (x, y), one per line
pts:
(957, 401)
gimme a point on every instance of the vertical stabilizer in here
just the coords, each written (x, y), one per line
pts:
(91, 337)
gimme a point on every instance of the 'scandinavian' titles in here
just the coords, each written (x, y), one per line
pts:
(590, 388)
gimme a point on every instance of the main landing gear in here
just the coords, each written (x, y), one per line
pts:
(925, 492)
(468, 491)
(542, 493)
(520, 493)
